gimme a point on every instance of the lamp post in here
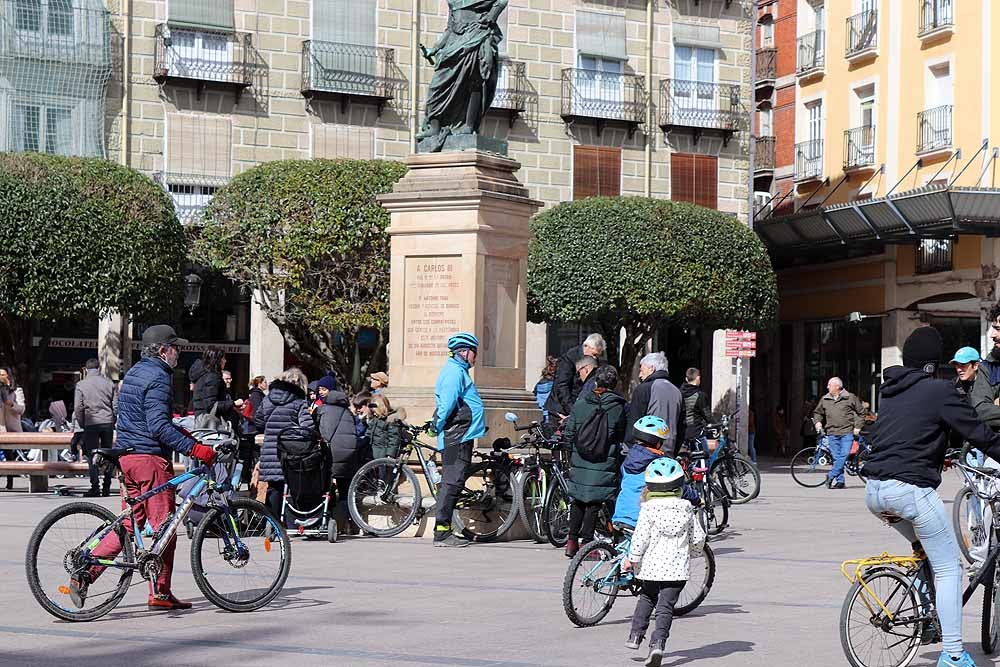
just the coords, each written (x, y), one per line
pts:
(192, 291)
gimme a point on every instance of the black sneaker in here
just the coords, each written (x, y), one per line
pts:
(92, 493)
(634, 641)
(839, 485)
(829, 482)
(656, 650)
(452, 540)
(78, 591)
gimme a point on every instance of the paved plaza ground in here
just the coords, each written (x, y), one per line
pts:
(776, 600)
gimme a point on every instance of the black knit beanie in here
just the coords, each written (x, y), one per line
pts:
(923, 348)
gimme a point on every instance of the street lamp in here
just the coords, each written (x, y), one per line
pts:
(192, 291)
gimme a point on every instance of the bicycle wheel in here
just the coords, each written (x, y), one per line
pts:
(240, 579)
(868, 636)
(591, 583)
(486, 508)
(557, 516)
(701, 576)
(714, 512)
(53, 556)
(738, 478)
(991, 610)
(531, 503)
(967, 519)
(811, 466)
(384, 497)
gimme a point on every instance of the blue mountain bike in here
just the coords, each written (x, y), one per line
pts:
(240, 554)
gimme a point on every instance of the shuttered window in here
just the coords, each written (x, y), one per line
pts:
(600, 34)
(212, 14)
(199, 145)
(597, 172)
(695, 179)
(345, 21)
(343, 141)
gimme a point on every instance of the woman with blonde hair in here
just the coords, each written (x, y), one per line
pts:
(385, 427)
(284, 406)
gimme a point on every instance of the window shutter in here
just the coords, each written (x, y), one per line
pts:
(586, 176)
(212, 14)
(682, 177)
(601, 34)
(198, 145)
(706, 181)
(609, 172)
(344, 21)
(342, 141)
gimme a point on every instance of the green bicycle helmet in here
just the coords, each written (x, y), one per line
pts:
(651, 430)
(665, 473)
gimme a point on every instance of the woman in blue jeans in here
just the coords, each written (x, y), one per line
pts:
(917, 414)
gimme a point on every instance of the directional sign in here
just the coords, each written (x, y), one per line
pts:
(741, 344)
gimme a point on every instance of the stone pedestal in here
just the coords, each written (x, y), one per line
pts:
(114, 346)
(267, 345)
(459, 234)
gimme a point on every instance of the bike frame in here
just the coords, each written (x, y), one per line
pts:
(205, 475)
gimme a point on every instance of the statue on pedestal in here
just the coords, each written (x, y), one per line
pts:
(466, 62)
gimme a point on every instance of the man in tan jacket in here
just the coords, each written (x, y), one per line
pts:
(840, 414)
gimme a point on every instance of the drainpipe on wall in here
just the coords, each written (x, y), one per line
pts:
(753, 109)
(650, 133)
(126, 81)
(414, 69)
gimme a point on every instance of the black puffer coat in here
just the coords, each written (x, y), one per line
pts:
(209, 389)
(284, 406)
(336, 426)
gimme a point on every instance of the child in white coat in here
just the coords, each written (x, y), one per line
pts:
(667, 535)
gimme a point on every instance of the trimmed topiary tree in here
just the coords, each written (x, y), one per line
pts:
(310, 236)
(635, 263)
(82, 236)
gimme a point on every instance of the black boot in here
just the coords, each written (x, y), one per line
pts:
(656, 650)
(10, 482)
(106, 490)
(94, 492)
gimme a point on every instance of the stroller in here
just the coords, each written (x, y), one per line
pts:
(230, 469)
(306, 464)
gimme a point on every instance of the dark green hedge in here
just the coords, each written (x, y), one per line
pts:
(84, 235)
(640, 259)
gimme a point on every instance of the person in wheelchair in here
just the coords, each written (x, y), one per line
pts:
(917, 413)
(649, 433)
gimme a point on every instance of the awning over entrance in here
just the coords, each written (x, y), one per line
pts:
(938, 211)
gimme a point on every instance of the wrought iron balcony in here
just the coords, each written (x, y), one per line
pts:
(512, 89)
(205, 57)
(603, 97)
(934, 129)
(862, 34)
(346, 71)
(700, 106)
(764, 155)
(936, 17)
(767, 66)
(812, 53)
(55, 33)
(859, 148)
(809, 160)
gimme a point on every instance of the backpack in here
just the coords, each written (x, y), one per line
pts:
(592, 437)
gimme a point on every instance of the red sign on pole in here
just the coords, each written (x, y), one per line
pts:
(741, 343)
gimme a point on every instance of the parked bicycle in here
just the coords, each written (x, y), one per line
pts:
(811, 466)
(889, 610)
(533, 478)
(240, 554)
(738, 477)
(385, 497)
(971, 530)
(714, 511)
(594, 579)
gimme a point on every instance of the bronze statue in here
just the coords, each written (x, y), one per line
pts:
(466, 62)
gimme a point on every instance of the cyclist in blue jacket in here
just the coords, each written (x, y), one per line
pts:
(459, 419)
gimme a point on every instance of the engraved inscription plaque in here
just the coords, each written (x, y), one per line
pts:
(433, 308)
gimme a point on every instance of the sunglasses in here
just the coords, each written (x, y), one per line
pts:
(373, 406)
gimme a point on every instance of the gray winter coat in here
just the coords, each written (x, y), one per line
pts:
(284, 406)
(95, 400)
(336, 426)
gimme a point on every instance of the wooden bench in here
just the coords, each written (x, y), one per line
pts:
(38, 472)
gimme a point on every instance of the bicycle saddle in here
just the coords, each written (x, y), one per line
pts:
(114, 454)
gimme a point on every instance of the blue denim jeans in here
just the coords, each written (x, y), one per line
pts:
(925, 519)
(840, 449)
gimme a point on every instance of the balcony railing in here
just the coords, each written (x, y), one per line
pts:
(767, 65)
(862, 33)
(603, 96)
(935, 15)
(934, 256)
(334, 69)
(764, 156)
(55, 32)
(859, 147)
(812, 52)
(809, 160)
(700, 105)
(934, 129)
(204, 57)
(512, 88)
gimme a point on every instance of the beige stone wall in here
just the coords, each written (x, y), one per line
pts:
(273, 121)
